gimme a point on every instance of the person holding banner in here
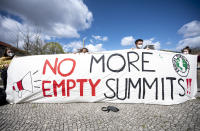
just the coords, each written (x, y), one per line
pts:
(83, 50)
(186, 50)
(4, 63)
(139, 43)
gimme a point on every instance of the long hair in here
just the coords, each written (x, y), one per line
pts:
(187, 48)
(81, 50)
(5, 54)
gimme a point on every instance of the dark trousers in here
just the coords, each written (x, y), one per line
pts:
(2, 91)
(4, 77)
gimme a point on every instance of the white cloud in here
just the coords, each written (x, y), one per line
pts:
(128, 40)
(76, 45)
(168, 43)
(191, 34)
(7, 32)
(151, 42)
(105, 38)
(84, 38)
(96, 37)
(190, 29)
(91, 41)
(15, 32)
(191, 42)
(101, 38)
(95, 48)
(63, 18)
(73, 46)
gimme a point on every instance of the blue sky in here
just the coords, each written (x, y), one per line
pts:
(170, 24)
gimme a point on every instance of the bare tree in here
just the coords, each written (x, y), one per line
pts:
(37, 46)
(26, 36)
(33, 43)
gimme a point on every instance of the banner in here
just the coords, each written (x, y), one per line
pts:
(121, 76)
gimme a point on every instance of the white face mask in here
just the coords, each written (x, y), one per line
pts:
(10, 54)
(139, 46)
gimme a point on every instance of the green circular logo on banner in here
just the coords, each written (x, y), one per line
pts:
(181, 65)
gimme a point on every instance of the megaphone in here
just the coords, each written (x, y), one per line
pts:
(25, 84)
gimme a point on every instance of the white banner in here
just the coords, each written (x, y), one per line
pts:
(122, 76)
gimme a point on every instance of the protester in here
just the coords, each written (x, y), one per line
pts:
(139, 43)
(186, 50)
(83, 50)
(4, 63)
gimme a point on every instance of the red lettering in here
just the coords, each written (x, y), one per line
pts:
(189, 81)
(52, 68)
(70, 84)
(44, 90)
(55, 85)
(94, 85)
(81, 85)
(69, 73)
(70, 87)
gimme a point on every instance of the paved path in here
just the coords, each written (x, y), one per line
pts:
(88, 116)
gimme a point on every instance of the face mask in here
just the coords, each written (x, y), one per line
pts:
(10, 54)
(139, 46)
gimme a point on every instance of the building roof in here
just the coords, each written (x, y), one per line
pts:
(12, 47)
